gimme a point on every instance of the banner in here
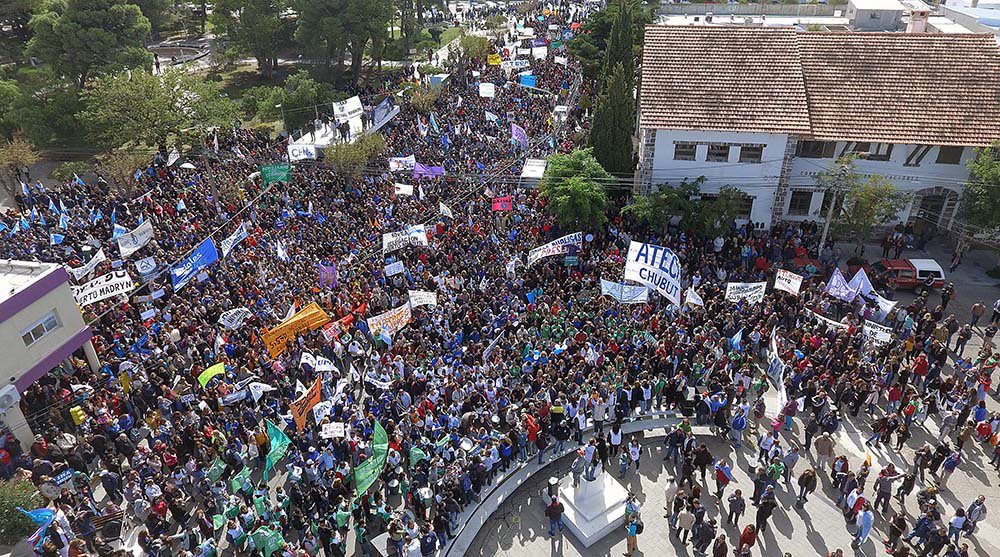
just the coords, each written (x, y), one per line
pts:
(445, 210)
(327, 275)
(505, 203)
(202, 257)
(146, 265)
(555, 247)
(493, 59)
(752, 292)
(830, 322)
(348, 109)
(487, 90)
(625, 293)
(302, 405)
(425, 170)
(368, 471)
(860, 283)
(392, 321)
(381, 112)
(89, 266)
(402, 163)
(787, 281)
(334, 429)
(539, 52)
(115, 283)
(402, 189)
(279, 446)
(413, 236)
(518, 135)
(257, 390)
(310, 318)
(693, 298)
(514, 64)
(235, 238)
(210, 372)
(529, 81)
(280, 172)
(838, 287)
(234, 318)
(655, 266)
(133, 241)
(301, 151)
(323, 364)
(422, 298)
(876, 334)
(394, 268)
(562, 60)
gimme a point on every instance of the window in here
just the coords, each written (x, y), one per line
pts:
(751, 153)
(684, 151)
(816, 149)
(799, 202)
(949, 155)
(874, 15)
(718, 153)
(38, 331)
(878, 151)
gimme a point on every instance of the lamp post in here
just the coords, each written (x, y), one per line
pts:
(284, 126)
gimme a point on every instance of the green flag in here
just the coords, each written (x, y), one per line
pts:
(267, 541)
(275, 173)
(240, 479)
(416, 455)
(368, 471)
(279, 446)
(260, 505)
(208, 374)
(216, 469)
(218, 521)
(443, 441)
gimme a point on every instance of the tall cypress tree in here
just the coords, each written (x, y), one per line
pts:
(614, 123)
(620, 44)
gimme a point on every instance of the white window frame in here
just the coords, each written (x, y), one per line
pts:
(46, 328)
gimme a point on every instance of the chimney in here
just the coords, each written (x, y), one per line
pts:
(918, 21)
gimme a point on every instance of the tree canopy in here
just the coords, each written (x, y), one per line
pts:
(864, 205)
(256, 27)
(614, 123)
(573, 184)
(590, 44)
(981, 202)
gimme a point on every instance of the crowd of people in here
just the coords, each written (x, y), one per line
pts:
(324, 438)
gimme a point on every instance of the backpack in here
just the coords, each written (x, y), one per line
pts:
(740, 423)
(638, 527)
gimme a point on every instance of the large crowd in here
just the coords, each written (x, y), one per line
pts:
(512, 362)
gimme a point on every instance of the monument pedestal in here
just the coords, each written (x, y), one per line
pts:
(594, 509)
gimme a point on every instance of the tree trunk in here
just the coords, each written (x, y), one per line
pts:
(338, 56)
(357, 57)
(420, 13)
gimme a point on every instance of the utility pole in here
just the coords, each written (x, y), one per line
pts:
(838, 185)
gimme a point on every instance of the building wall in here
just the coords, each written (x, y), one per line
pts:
(874, 20)
(22, 365)
(759, 180)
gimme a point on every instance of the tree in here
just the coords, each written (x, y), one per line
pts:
(84, 38)
(614, 122)
(15, 154)
(573, 184)
(159, 13)
(660, 206)
(320, 29)
(474, 47)
(497, 26)
(718, 214)
(424, 98)
(141, 108)
(119, 169)
(864, 204)
(9, 93)
(14, 28)
(46, 107)
(255, 26)
(15, 525)
(350, 158)
(621, 43)
(590, 43)
(366, 21)
(980, 202)
(301, 98)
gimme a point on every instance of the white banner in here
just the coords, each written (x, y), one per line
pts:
(516, 64)
(539, 52)
(307, 359)
(133, 241)
(146, 265)
(348, 109)
(522, 52)
(655, 266)
(231, 242)
(413, 236)
(625, 293)
(422, 298)
(257, 390)
(752, 292)
(334, 429)
(693, 298)
(562, 60)
(555, 247)
(445, 210)
(115, 283)
(403, 189)
(392, 321)
(787, 281)
(322, 410)
(487, 90)
(89, 266)
(397, 164)
(234, 318)
(301, 151)
(829, 322)
(875, 333)
(323, 364)
(394, 269)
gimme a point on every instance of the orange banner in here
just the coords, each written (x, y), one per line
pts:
(309, 318)
(302, 405)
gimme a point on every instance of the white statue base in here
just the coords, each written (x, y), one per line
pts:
(594, 509)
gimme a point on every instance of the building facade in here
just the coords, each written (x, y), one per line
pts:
(767, 110)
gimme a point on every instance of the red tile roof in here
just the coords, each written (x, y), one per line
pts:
(883, 87)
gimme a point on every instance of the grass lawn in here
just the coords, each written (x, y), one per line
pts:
(450, 34)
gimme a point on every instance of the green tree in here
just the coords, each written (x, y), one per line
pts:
(16, 153)
(320, 29)
(614, 122)
(367, 22)
(9, 93)
(621, 43)
(14, 525)
(119, 167)
(590, 43)
(140, 108)
(300, 98)
(84, 38)
(14, 28)
(718, 214)
(980, 202)
(254, 26)
(660, 206)
(573, 184)
(497, 26)
(160, 14)
(46, 107)
(351, 158)
(861, 205)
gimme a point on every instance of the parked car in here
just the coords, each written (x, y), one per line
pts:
(909, 274)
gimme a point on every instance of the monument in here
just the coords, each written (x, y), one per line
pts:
(594, 508)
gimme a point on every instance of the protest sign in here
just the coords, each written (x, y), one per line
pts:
(403, 189)
(234, 318)
(752, 292)
(115, 283)
(235, 238)
(348, 109)
(555, 247)
(402, 163)
(625, 293)
(133, 241)
(787, 281)
(391, 321)
(655, 266)
(310, 317)
(394, 268)
(275, 172)
(487, 90)
(88, 267)
(422, 298)
(412, 236)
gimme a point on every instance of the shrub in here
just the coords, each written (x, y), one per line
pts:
(14, 525)
(424, 98)
(65, 171)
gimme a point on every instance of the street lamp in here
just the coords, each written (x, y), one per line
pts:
(284, 126)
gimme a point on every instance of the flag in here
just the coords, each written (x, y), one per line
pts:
(240, 479)
(209, 373)
(114, 215)
(62, 207)
(98, 216)
(445, 210)
(445, 141)
(518, 135)
(43, 518)
(416, 455)
(63, 221)
(280, 250)
(267, 540)
(52, 206)
(434, 124)
(693, 298)
(56, 239)
(327, 275)
(78, 180)
(310, 211)
(34, 214)
(421, 126)
(504, 203)
(279, 446)
(737, 340)
(173, 157)
(368, 471)
(24, 223)
(118, 231)
(181, 206)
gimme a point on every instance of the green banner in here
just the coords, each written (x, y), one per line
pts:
(267, 541)
(275, 172)
(240, 479)
(218, 521)
(216, 469)
(260, 505)
(279, 446)
(368, 471)
(416, 455)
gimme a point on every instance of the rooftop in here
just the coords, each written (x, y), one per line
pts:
(894, 5)
(882, 87)
(18, 275)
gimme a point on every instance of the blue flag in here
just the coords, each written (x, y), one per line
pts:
(737, 340)
(55, 239)
(24, 223)
(203, 256)
(118, 231)
(445, 141)
(34, 214)
(52, 206)
(114, 215)
(62, 206)
(181, 206)
(434, 124)
(64, 221)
